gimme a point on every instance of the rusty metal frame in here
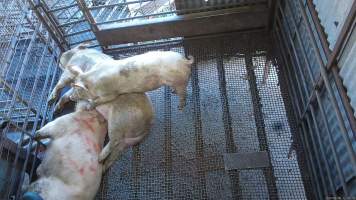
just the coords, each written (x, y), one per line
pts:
(317, 85)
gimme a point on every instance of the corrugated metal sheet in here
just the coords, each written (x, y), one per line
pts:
(332, 22)
(347, 63)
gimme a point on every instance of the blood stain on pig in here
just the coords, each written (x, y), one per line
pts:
(81, 171)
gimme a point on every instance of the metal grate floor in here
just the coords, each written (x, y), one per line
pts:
(229, 110)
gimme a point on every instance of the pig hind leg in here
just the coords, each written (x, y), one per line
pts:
(181, 91)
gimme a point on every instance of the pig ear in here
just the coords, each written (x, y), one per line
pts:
(74, 69)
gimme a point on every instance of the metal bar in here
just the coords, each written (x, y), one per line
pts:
(329, 90)
(288, 35)
(310, 162)
(53, 29)
(186, 26)
(260, 125)
(168, 155)
(136, 171)
(293, 115)
(25, 124)
(56, 67)
(22, 69)
(333, 148)
(314, 149)
(229, 137)
(318, 27)
(83, 7)
(88, 40)
(320, 143)
(77, 33)
(289, 82)
(348, 26)
(117, 4)
(72, 22)
(62, 8)
(331, 62)
(271, 17)
(299, 42)
(134, 17)
(282, 39)
(199, 141)
(17, 95)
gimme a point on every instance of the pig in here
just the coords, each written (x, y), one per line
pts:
(149, 71)
(80, 56)
(130, 117)
(70, 169)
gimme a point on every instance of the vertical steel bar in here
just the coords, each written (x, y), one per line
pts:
(168, 142)
(282, 39)
(333, 148)
(293, 97)
(199, 141)
(288, 35)
(260, 125)
(323, 153)
(299, 42)
(37, 76)
(331, 60)
(310, 161)
(13, 101)
(303, 141)
(288, 74)
(229, 137)
(329, 89)
(314, 150)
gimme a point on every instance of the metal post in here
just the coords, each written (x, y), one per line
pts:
(229, 137)
(333, 148)
(260, 126)
(329, 89)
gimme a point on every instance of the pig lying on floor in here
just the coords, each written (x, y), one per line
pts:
(149, 71)
(70, 169)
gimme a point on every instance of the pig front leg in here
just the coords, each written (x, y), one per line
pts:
(63, 100)
(51, 130)
(65, 79)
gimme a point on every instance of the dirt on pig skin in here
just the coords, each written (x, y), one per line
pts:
(70, 169)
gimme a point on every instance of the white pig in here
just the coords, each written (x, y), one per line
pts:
(80, 56)
(70, 169)
(149, 71)
(130, 117)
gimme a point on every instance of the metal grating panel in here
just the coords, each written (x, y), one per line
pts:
(182, 158)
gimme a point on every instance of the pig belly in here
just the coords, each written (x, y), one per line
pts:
(129, 142)
(70, 160)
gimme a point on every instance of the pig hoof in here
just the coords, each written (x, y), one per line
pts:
(51, 99)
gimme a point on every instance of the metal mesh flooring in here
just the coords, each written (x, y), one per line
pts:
(228, 110)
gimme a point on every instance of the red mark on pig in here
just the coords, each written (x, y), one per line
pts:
(81, 171)
(93, 168)
(86, 124)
